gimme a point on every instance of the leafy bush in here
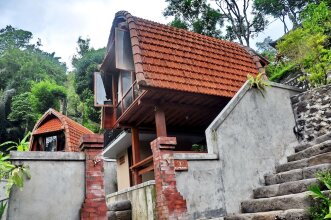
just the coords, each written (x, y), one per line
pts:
(14, 173)
(321, 208)
(309, 45)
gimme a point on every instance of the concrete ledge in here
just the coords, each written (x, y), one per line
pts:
(195, 156)
(142, 185)
(49, 156)
(278, 85)
(236, 99)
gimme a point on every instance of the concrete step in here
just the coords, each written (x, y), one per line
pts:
(291, 214)
(318, 140)
(292, 201)
(296, 174)
(315, 160)
(311, 151)
(283, 188)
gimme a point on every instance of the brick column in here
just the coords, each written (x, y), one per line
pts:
(94, 206)
(170, 204)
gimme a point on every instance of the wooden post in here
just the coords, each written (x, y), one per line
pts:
(160, 122)
(135, 154)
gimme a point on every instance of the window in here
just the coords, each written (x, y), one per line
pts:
(102, 90)
(124, 84)
(51, 143)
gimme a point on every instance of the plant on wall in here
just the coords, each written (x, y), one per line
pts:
(14, 173)
(321, 207)
(2, 208)
(257, 82)
(199, 147)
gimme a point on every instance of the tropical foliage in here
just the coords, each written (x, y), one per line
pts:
(305, 50)
(321, 208)
(32, 81)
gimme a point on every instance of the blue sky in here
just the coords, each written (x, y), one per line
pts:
(59, 23)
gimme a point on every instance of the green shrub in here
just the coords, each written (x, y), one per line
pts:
(321, 207)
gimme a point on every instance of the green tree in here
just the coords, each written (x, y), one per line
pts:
(22, 111)
(195, 15)
(309, 46)
(45, 95)
(11, 37)
(22, 64)
(242, 21)
(86, 62)
(282, 9)
(265, 49)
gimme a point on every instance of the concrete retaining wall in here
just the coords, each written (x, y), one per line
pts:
(57, 187)
(3, 196)
(142, 199)
(245, 142)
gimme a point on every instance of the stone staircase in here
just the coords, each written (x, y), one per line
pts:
(284, 196)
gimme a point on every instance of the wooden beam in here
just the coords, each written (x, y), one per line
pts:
(179, 106)
(146, 169)
(136, 154)
(160, 122)
(145, 161)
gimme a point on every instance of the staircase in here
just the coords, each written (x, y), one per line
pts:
(284, 196)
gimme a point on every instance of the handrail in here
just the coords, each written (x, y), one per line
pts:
(127, 92)
(145, 161)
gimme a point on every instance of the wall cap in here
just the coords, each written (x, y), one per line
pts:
(47, 156)
(236, 99)
(91, 141)
(195, 156)
(139, 186)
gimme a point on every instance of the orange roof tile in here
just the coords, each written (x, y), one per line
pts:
(172, 58)
(53, 120)
(51, 125)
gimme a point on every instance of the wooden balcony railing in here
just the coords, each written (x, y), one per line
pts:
(143, 166)
(127, 99)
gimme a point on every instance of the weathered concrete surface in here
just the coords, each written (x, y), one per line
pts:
(284, 188)
(202, 188)
(142, 199)
(56, 189)
(250, 136)
(292, 201)
(3, 196)
(297, 174)
(110, 176)
(324, 158)
(297, 214)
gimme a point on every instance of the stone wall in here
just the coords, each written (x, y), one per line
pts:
(312, 111)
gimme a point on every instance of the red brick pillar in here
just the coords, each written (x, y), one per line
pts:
(170, 204)
(94, 206)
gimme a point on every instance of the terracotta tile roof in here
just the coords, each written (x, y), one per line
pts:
(172, 58)
(51, 125)
(53, 120)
